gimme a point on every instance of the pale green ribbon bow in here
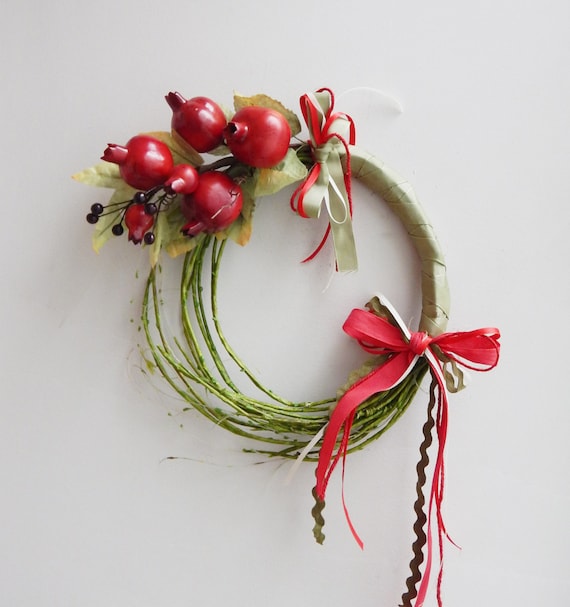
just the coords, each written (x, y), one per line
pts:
(328, 182)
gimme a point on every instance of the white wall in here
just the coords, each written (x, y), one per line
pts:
(92, 513)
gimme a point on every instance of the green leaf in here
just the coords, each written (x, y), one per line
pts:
(167, 234)
(265, 101)
(221, 150)
(103, 175)
(182, 152)
(270, 181)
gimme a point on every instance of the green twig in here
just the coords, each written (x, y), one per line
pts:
(192, 363)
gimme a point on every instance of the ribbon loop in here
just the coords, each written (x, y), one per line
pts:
(328, 183)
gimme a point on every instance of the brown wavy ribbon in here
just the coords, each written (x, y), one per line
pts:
(421, 518)
(317, 512)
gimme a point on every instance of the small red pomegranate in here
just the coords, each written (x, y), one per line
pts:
(199, 121)
(139, 222)
(213, 206)
(144, 162)
(258, 136)
(183, 179)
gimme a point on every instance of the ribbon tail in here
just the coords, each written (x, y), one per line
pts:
(420, 526)
(435, 500)
(344, 245)
(319, 500)
(422, 592)
(391, 373)
(320, 245)
(437, 487)
(344, 450)
(382, 378)
(340, 212)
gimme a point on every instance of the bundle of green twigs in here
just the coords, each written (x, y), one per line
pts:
(199, 365)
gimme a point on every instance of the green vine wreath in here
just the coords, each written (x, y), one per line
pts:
(167, 197)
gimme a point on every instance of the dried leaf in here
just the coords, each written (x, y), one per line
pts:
(265, 101)
(381, 310)
(181, 245)
(241, 229)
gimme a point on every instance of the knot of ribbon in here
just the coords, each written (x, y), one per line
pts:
(476, 350)
(419, 341)
(328, 183)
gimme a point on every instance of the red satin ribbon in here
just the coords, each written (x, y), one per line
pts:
(320, 134)
(477, 350)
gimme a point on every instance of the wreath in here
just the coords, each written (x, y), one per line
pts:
(167, 197)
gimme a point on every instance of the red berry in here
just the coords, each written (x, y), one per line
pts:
(213, 206)
(258, 136)
(183, 179)
(138, 222)
(199, 121)
(144, 162)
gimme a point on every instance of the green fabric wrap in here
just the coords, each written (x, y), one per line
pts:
(400, 196)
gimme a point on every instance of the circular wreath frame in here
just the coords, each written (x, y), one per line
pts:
(193, 365)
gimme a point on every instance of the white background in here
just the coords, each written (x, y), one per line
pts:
(91, 512)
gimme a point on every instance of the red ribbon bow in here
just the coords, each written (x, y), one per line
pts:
(477, 350)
